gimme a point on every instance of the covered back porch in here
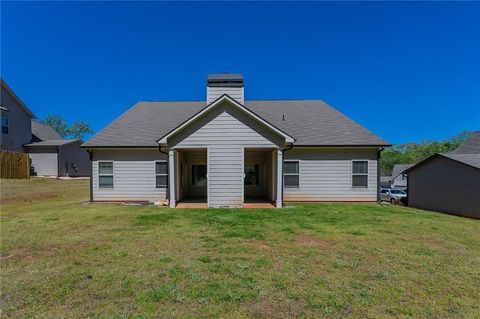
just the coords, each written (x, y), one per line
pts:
(254, 183)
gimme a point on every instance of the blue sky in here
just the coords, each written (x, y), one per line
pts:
(406, 71)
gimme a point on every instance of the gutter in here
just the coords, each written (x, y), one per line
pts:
(282, 177)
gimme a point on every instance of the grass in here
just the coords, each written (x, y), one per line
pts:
(64, 258)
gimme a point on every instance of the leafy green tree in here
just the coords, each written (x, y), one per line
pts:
(415, 152)
(58, 123)
(79, 129)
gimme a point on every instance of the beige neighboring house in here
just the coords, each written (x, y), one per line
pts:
(226, 151)
(448, 182)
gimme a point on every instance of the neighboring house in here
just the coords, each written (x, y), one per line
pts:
(15, 118)
(227, 151)
(51, 155)
(448, 182)
(385, 181)
(399, 179)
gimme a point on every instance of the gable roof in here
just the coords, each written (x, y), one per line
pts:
(42, 132)
(310, 122)
(399, 169)
(16, 98)
(471, 145)
(221, 99)
(51, 143)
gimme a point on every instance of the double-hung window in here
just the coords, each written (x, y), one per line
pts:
(105, 174)
(291, 174)
(360, 174)
(161, 174)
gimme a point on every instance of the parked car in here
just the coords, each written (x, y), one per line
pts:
(393, 196)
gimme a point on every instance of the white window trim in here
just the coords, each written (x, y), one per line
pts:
(99, 175)
(359, 174)
(291, 174)
(155, 171)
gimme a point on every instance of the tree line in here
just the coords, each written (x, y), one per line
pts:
(412, 152)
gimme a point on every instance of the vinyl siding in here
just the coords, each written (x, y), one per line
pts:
(19, 126)
(225, 137)
(133, 175)
(45, 164)
(445, 185)
(236, 93)
(72, 154)
(326, 175)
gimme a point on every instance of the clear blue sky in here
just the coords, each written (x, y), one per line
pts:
(406, 71)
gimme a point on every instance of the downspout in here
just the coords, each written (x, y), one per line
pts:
(282, 177)
(380, 149)
(90, 156)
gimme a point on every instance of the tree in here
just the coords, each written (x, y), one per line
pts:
(79, 129)
(412, 152)
(58, 123)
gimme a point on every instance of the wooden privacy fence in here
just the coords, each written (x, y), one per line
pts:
(14, 165)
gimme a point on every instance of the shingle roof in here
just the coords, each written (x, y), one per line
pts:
(469, 159)
(471, 145)
(44, 132)
(51, 143)
(311, 122)
(399, 169)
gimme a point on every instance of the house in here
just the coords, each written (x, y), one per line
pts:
(226, 151)
(51, 155)
(16, 121)
(385, 181)
(448, 182)
(399, 179)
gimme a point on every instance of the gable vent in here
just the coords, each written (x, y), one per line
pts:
(231, 84)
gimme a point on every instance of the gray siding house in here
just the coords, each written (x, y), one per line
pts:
(51, 155)
(227, 151)
(15, 118)
(399, 178)
(448, 182)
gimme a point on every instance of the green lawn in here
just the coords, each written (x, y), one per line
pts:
(64, 258)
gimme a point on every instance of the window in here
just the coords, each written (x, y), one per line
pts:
(161, 174)
(4, 125)
(199, 175)
(360, 174)
(384, 191)
(105, 174)
(291, 174)
(251, 175)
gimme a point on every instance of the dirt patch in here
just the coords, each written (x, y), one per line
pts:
(44, 252)
(311, 241)
(285, 308)
(260, 245)
(29, 197)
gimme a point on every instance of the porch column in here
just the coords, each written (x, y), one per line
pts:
(279, 178)
(171, 177)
